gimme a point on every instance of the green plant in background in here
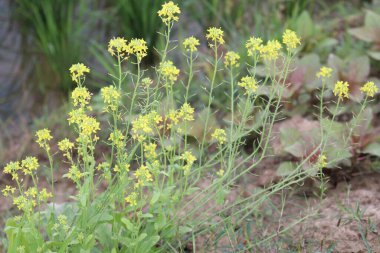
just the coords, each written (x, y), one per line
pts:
(58, 30)
(145, 193)
(369, 32)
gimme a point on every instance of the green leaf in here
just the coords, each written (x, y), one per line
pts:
(286, 168)
(128, 224)
(368, 34)
(373, 149)
(372, 19)
(305, 25)
(374, 54)
(155, 197)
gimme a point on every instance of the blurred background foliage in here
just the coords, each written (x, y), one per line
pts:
(46, 36)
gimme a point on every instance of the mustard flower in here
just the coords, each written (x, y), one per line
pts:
(81, 96)
(144, 125)
(253, 45)
(8, 189)
(89, 125)
(138, 47)
(191, 44)
(146, 82)
(172, 118)
(220, 173)
(369, 88)
(43, 137)
(322, 161)
(117, 138)
(45, 195)
(215, 36)
(77, 71)
(324, 72)
(341, 89)
(150, 151)
(249, 83)
(220, 136)
(290, 39)
(271, 50)
(132, 199)
(74, 173)
(65, 145)
(169, 12)
(143, 176)
(186, 112)
(12, 168)
(189, 158)
(119, 47)
(76, 116)
(29, 164)
(231, 59)
(111, 97)
(169, 71)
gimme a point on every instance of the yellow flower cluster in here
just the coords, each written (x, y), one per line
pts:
(189, 159)
(119, 47)
(8, 190)
(185, 113)
(215, 36)
(169, 12)
(191, 44)
(231, 59)
(29, 164)
(43, 137)
(369, 88)
(77, 71)
(143, 176)
(74, 173)
(341, 89)
(271, 50)
(117, 138)
(220, 136)
(145, 125)
(322, 161)
(111, 98)
(28, 201)
(76, 116)
(324, 72)
(249, 83)
(146, 82)
(150, 151)
(290, 39)
(65, 145)
(89, 126)
(169, 71)
(253, 45)
(12, 168)
(220, 173)
(81, 96)
(138, 47)
(132, 199)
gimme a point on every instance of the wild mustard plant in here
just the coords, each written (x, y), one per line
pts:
(144, 193)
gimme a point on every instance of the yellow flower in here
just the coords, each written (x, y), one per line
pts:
(43, 137)
(220, 173)
(145, 125)
(143, 176)
(369, 88)
(117, 138)
(324, 72)
(186, 112)
(138, 47)
(119, 47)
(249, 83)
(190, 44)
(81, 96)
(12, 167)
(215, 35)
(169, 12)
(322, 163)
(253, 45)
(150, 151)
(132, 199)
(89, 126)
(111, 97)
(231, 59)
(29, 165)
(220, 136)
(45, 195)
(290, 39)
(77, 71)
(76, 116)
(169, 71)
(341, 89)
(8, 189)
(271, 50)
(146, 82)
(189, 158)
(65, 145)
(74, 173)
